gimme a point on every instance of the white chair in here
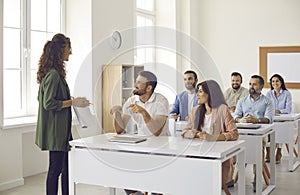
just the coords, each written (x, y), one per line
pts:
(294, 110)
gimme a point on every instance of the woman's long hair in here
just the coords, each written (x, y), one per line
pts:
(53, 56)
(215, 98)
(281, 80)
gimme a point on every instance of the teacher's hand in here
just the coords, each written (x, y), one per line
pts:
(80, 102)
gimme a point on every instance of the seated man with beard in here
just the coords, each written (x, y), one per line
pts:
(149, 110)
(186, 100)
(255, 108)
(236, 91)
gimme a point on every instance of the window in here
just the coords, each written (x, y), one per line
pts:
(145, 16)
(27, 24)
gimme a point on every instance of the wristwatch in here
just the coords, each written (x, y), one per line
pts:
(259, 120)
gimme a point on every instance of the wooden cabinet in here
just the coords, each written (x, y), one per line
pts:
(117, 86)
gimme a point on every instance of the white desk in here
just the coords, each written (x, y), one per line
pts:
(286, 126)
(254, 138)
(170, 165)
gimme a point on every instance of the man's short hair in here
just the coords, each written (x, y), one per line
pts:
(191, 72)
(151, 78)
(261, 80)
(237, 74)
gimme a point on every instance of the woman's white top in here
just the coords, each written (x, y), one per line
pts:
(206, 125)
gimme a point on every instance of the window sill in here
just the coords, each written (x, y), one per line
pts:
(19, 122)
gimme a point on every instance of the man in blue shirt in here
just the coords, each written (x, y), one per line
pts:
(255, 108)
(186, 100)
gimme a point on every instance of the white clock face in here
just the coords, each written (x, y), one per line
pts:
(116, 40)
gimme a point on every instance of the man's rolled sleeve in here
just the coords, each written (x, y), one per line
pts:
(238, 110)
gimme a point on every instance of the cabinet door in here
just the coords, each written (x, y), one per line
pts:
(117, 85)
(112, 94)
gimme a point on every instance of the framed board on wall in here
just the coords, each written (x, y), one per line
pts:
(283, 60)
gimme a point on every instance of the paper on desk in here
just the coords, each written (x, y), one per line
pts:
(84, 117)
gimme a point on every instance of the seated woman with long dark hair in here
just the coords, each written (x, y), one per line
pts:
(211, 120)
(282, 99)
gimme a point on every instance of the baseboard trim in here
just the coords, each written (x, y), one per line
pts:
(11, 184)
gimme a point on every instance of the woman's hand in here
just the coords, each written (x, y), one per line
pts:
(80, 102)
(201, 135)
(277, 112)
(190, 134)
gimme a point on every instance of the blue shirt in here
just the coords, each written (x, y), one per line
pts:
(180, 105)
(283, 102)
(262, 107)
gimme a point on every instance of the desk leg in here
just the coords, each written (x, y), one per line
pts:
(295, 161)
(72, 190)
(241, 168)
(291, 155)
(259, 166)
(272, 158)
(112, 191)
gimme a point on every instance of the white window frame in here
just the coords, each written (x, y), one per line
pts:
(149, 15)
(25, 67)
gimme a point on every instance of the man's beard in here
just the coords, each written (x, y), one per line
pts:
(139, 92)
(190, 87)
(253, 92)
(236, 87)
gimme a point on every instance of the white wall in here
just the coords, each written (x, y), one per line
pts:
(1, 61)
(11, 167)
(165, 16)
(34, 160)
(233, 30)
(230, 30)
(108, 16)
(79, 29)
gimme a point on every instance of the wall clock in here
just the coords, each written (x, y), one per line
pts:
(116, 40)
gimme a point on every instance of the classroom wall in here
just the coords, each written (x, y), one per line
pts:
(230, 30)
(233, 30)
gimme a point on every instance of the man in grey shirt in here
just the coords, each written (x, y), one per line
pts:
(235, 92)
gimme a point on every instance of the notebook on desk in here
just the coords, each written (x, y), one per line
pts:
(127, 139)
(247, 126)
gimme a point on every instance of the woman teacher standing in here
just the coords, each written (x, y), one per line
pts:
(53, 131)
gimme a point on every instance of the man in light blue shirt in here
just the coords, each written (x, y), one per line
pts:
(255, 108)
(186, 100)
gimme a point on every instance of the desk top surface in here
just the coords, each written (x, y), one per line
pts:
(163, 145)
(264, 129)
(287, 117)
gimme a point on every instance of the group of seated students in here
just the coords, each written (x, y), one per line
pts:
(208, 111)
